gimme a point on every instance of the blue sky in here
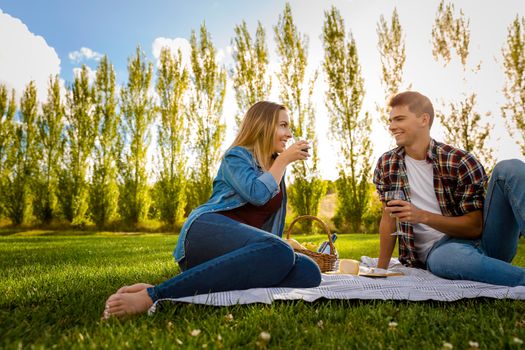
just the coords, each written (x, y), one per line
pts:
(39, 38)
(116, 27)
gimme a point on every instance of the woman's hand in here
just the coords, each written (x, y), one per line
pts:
(297, 151)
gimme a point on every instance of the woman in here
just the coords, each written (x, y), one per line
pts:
(233, 242)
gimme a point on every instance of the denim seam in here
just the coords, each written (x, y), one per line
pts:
(197, 273)
(510, 194)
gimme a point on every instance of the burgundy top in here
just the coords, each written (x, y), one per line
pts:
(254, 215)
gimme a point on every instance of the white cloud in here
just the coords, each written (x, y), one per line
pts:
(92, 74)
(24, 57)
(84, 54)
(225, 56)
(173, 44)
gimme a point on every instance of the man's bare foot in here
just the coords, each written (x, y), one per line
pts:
(137, 287)
(126, 304)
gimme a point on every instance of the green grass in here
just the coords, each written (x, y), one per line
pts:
(53, 287)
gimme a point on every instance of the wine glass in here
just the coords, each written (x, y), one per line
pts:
(395, 195)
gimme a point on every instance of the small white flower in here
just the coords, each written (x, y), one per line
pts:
(265, 337)
(228, 317)
(517, 341)
(447, 345)
(392, 324)
(219, 338)
(320, 324)
(195, 332)
(178, 341)
(473, 344)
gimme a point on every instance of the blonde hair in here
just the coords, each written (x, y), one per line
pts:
(257, 130)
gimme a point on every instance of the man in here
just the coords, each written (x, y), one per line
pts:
(448, 225)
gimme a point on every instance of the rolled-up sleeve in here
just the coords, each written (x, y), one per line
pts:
(472, 183)
(248, 182)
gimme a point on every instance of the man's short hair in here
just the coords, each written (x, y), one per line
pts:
(417, 103)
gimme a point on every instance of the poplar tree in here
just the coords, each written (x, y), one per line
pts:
(463, 125)
(249, 75)
(51, 142)
(514, 91)
(296, 94)
(172, 84)
(104, 191)
(391, 46)
(349, 127)
(7, 114)
(80, 139)
(206, 101)
(136, 118)
(22, 160)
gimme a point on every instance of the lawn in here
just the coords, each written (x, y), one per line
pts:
(53, 287)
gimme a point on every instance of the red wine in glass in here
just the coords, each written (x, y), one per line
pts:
(395, 195)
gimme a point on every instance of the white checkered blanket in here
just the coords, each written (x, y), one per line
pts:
(415, 285)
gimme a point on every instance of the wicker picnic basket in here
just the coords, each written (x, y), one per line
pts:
(326, 262)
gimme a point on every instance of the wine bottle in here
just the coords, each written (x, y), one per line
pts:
(325, 246)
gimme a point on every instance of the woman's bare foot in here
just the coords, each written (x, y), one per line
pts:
(137, 287)
(126, 304)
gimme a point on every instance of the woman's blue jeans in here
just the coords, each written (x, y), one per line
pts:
(489, 259)
(223, 254)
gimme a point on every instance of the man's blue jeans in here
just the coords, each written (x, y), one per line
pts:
(223, 254)
(488, 259)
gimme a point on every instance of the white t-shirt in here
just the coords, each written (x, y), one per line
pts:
(421, 180)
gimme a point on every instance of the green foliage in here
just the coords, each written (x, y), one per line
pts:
(80, 139)
(170, 189)
(450, 33)
(22, 161)
(7, 114)
(305, 197)
(463, 128)
(292, 49)
(51, 142)
(330, 187)
(137, 117)
(205, 113)
(514, 64)
(462, 123)
(374, 211)
(371, 217)
(192, 197)
(104, 192)
(349, 127)
(391, 45)
(249, 75)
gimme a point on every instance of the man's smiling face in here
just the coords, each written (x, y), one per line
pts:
(406, 126)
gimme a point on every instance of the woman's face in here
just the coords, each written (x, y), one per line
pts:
(282, 132)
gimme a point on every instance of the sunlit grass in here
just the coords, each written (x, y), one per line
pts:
(53, 288)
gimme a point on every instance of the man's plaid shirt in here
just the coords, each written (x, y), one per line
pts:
(459, 184)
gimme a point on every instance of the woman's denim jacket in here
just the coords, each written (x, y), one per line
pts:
(239, 180)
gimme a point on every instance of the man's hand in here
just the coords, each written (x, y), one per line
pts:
(467, 226)
(406, 212)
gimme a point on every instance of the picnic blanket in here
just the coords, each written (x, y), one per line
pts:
(415, 285)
